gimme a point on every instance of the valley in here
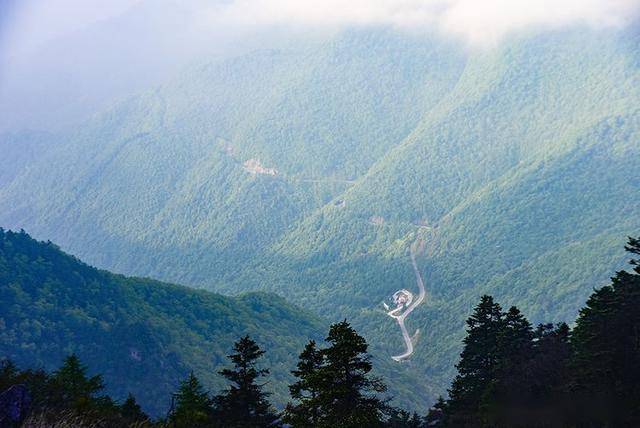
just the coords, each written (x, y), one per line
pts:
(310, 171)
(405, 305)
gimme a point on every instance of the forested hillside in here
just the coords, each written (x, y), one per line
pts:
(508, 374)
(144, 336)
(309, 170)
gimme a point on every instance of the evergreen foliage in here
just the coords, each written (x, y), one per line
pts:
(72, 388)
(52, 305)
(307, 388)
(535, 139)
(606, 349)
(349, 397)
(244, 404)
(510, 375)
(334, 387)
(479, 362)
(437, 415)
(132, 412)
(399, 418)
(192, 405)
(69, 396)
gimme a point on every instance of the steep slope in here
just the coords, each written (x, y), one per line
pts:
(481, 142)
(162, 174)
(143, 335)
(518, 182)
(19, 151)
(515, 166)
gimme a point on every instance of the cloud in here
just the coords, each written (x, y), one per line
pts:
(476, 21)
(33, 22)
(61, 60)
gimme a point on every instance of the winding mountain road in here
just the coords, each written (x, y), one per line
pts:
(422, 292)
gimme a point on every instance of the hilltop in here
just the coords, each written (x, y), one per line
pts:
(143, 335)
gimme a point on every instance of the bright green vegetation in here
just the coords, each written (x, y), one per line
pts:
(509, 374)
(517, 168)
(144, 336)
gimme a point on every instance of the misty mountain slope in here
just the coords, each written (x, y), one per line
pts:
(20, 150)
(308, 110)
(516, 167)
(535, 254)
(150, 173)
(591, 188)
(499, 116)
(143, 335)
(517, 209)
(458, 160)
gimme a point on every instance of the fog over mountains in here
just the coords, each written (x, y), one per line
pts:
(63, 60)
(308, 152)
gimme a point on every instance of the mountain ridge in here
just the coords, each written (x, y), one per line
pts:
(516, 165)
(144, 335)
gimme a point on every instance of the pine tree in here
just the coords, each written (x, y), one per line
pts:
(348, 397)
(517, 336)
(8, 374)
(400, 418)
(244, 403)
(550, 365)
(436, 417)
(306, 390)
(633, 247)
(547, 376)
(606, 343)
(479, 363)
(131, 411)
(505, 399)
(192, 405)
(71, 388)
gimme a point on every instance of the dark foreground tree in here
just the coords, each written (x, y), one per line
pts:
(606, 345)
(68, 397)
(505, 400)
(399, 418)
(192, 405)
(545, 378)
(244, 403)
(132, 412)
(437, 415)
(71, 388)
(509, 375)
(479, 364)
(306, 390)
(334, 387)
(348, 396)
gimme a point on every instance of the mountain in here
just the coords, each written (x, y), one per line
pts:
(310, 170)
(143, 335)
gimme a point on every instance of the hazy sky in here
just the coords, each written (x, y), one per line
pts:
(29, 23)
(75, 55)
